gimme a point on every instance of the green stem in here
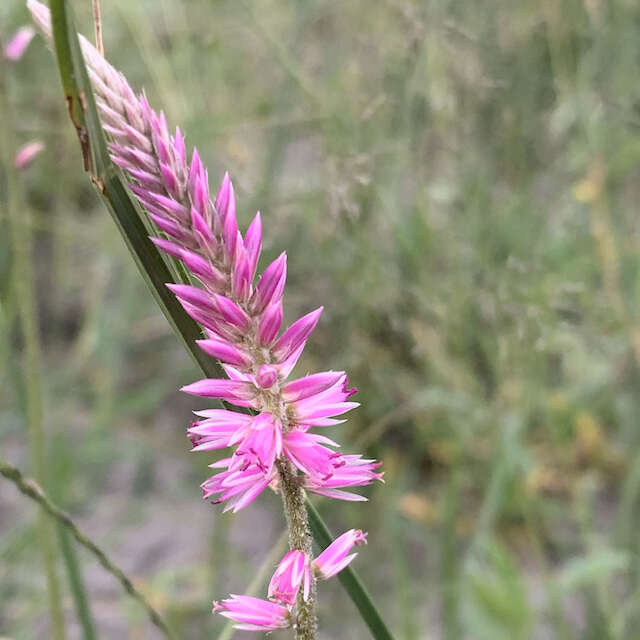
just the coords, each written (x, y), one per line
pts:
(32, 490)
(23, 283)
(76, 583)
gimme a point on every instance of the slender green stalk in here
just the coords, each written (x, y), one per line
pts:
(23, 283)
(76, 584)
(32, 490)
(106, 177)
(74, 574)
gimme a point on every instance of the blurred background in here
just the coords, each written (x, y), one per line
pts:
(457, 183)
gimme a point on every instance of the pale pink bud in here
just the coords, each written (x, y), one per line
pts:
(17, 45)
(267, 376)
(27, 154)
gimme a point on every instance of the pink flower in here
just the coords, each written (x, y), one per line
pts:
(309, 456)
(18, 43)
(292, 572)
(261, 444)
(238, 487)
(219, 429)
(27, 154)
(336, 556)
(317, 408)
(254, 614)
(355, 472)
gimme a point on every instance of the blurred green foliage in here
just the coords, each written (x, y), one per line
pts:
(457, 183)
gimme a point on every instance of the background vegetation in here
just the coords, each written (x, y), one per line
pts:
(458, 184)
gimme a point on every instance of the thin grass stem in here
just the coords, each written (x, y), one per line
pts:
(32, 490)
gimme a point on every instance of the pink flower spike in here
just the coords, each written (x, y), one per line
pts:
(254, 614)
(336, 556)
(238, 393)
(27, 154)
(292, 572)
(296, 334)
(17, 45)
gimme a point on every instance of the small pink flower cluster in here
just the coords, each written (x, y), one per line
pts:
(293, 573)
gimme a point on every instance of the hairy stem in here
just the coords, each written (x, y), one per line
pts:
(299, 538)
(32, 490)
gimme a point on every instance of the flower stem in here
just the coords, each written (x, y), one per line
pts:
(299, 538)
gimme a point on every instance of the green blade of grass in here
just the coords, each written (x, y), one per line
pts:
(83, 112)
